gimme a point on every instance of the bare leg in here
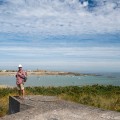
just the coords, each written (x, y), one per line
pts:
(23, 93)
(19, 92)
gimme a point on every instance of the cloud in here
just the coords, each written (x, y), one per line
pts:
(59, 17)
(67, 53)
(69, 34)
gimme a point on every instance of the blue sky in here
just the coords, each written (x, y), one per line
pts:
(63, 35)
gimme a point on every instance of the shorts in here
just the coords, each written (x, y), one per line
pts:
(20, 87)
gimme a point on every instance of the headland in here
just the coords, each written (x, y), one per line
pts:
(45, 72)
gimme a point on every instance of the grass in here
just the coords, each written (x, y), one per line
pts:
(106, 97)
(4, 99)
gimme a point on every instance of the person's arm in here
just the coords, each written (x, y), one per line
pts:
(21, 75)
(16, 75)
(25, 73)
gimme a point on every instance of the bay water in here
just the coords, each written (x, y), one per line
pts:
(67, 80)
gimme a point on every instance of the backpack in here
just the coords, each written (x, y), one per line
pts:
(25, 79)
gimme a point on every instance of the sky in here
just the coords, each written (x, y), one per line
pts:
(62, 35)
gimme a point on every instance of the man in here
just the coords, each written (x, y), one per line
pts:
(20, 76)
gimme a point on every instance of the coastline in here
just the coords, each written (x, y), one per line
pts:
(46, 73)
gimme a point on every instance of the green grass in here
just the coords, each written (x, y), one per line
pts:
(106, 97)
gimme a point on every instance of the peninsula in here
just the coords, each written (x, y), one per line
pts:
(44, 72)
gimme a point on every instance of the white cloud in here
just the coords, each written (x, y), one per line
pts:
(57, 17)
(43, 17)
(81, 52)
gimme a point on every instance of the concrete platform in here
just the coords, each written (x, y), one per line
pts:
(52, 108)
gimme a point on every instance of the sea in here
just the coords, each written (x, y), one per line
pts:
(65, 80)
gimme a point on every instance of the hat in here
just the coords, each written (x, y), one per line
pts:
(19, 65)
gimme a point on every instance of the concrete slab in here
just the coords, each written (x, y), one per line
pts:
(52, 108)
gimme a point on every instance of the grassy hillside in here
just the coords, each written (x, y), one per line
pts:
(106, 97)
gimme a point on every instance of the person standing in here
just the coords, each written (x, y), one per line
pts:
(20, 77)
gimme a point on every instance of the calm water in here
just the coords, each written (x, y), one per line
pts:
(105, 79)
